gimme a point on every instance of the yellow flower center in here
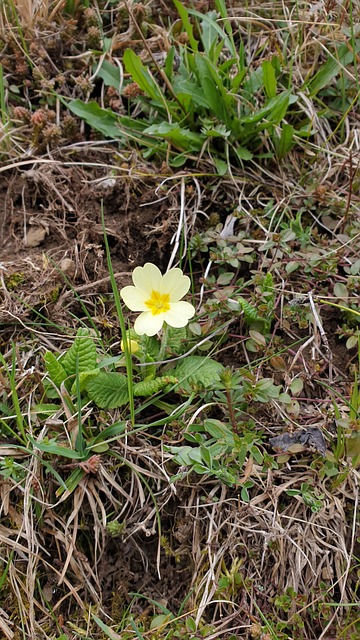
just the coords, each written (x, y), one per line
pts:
(158, 302)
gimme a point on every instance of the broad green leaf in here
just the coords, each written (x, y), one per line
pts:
(44, 409)
(142, 76)
(219, 431)
(209, 33)
(108, 390)
(278, 107)
(114, 431)
(222, 167)
(176, 340)
(340, 291)
(110, 73)
(243, 153)
(84, 377)
(206, 456)
(198, 372)
(352, 342)
(296, 386)
(103, 120)
(186, 88)
(219, 99)
(181, 138)
(55, 369)
(269, 79)
(83, 349)
(274, 110)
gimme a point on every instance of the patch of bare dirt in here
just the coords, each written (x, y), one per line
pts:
(52, 236)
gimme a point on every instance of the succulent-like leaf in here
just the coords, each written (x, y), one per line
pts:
(108, 390)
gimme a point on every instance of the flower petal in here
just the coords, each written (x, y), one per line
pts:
(148, 324)
(147, 278)
(134, 298)
(176, 284)
(179, 314)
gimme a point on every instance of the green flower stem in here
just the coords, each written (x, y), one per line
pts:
(164, 340)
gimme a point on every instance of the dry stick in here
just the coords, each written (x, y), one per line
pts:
(318, 324)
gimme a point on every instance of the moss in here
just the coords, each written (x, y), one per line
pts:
(14, 281)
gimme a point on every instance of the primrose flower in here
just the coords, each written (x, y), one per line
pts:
(133, 348)
(159, 298)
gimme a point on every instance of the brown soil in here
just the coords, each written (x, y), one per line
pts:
(50, 223)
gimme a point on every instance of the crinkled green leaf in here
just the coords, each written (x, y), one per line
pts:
(250, 312)
(197, 372)
(84, 377)
(55, 369)
(108, 390)
(82, 348)
(149, 387)
(176, 340)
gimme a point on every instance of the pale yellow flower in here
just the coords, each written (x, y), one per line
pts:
(134, 346)
(159, 298)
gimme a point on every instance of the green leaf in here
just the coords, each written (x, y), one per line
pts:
(103, 120)
(296, 386)
(285, 142)
(228, 41)
(184, 15)
(176, 340)
(84, 350)
(250, 312)
(218, 98)
(209, 33)
(185, 88)
(219, 431)
(84, 377)
(222, 167)
(340, 291)
(142, 76)
(44, 409)
(198, 372)
(342, 57)
(149, 387)
(55, 369)
(243, 154)
(108, 390)
(269, 79)
(182, 138)
(55, 449)
(110, 73)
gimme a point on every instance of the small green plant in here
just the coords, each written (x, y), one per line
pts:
(203, 100)
(310, 496)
